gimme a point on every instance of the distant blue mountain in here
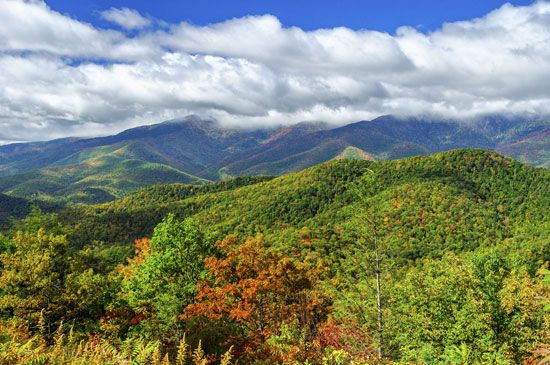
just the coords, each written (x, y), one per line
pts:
(193, 150)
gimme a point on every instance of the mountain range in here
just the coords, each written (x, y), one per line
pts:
(192, 150)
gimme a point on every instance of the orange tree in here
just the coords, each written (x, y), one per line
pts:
(264, 292)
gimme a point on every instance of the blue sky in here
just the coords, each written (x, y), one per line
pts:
(97, 67)
(380, 15)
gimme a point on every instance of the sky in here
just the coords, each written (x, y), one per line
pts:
(97, 67)
(379, 15)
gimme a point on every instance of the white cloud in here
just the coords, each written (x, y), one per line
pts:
(126, 18)
(31, 26)
(263, 39)
(64, 77)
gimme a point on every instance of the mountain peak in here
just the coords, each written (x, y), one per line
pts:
(192, 119)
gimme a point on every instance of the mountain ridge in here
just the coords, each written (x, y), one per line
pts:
(199, 150)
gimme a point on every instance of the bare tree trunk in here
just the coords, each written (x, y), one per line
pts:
(378, 296)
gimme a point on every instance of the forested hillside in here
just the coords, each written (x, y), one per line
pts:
(283, 270)
(96, 180)
(11, 208)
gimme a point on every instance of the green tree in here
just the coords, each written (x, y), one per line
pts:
(42, 281)
(474, 307)
(368, 242)
(160, 281)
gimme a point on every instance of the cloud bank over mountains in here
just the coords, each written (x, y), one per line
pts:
(60, 76)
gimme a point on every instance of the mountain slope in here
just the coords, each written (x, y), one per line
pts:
(533, 149)
(12, 208)
(191, 149)
(383, 138)
(472, 190)
(189, 144)
(96, 180)
(354, 153)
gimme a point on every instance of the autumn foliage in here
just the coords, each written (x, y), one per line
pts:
(262, 290)
(142, 248)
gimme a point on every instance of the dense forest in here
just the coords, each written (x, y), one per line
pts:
(436, 259)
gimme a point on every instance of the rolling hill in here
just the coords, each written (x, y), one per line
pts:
(12, 208)
(95, 180)
(473, 189)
